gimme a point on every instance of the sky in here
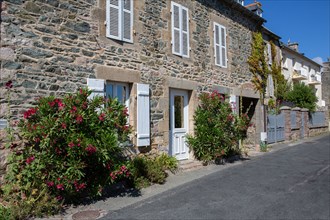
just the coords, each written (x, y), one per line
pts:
(306, 22)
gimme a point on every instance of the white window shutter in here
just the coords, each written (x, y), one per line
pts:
(143, 115)
(270, 86)
(233, 103)
(217, 44)
(113, 20)
(176, 29)
(97, 86)
(185, 31)
(269, 52)
(223, 46)
(128, 20)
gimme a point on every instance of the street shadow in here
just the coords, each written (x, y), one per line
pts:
(121, 189)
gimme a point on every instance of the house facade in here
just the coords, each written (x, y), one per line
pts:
(298, 68)
(155, 56)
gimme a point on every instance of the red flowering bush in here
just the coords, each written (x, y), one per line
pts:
(71, 146)
(217, 128)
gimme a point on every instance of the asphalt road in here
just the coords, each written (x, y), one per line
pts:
(292, 183)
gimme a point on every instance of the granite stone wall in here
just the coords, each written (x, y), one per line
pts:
(50, 47)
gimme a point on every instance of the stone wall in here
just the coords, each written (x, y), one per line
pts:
(295, 133)
(50, 47)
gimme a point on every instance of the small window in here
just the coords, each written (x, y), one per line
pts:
(220, 46)
(180, 30)
(120, 20)
(119, 91)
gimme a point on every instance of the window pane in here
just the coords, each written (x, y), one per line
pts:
(121, 93)
(109, 91)
(178, 112)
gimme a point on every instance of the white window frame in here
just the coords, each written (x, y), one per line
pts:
(221, 46)
(114, 91)
(121, 11)
(181, 8)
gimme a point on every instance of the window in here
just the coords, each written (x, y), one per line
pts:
(120, 20)
(269, 53)
(220, 47)
(180, 30)
(119, 91)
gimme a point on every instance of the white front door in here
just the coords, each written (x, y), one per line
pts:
(178, 124)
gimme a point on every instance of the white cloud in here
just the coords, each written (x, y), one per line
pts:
(319, 60)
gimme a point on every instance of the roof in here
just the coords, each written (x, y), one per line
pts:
(235, 5)
(266, 30)
(286, 47)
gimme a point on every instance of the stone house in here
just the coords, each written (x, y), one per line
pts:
(296, 67)
(156, 56)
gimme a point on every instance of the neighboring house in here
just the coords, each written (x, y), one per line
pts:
(298, 68)
(155, 56)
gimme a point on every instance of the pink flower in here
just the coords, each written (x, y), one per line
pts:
(113, 175)
(29, 159)
(102, 117)
(84, 105)
(60, 186)
(51, 104)
(63, 125)
(9, 84)
(73, 110)
(123, 168)
(50, 184)
(59, 198)
(30, 112)
(79, 119)
(125, 112)
(71, 144)
(90, 149)
(60, 105)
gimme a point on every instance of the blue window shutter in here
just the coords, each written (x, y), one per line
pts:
(143, 115)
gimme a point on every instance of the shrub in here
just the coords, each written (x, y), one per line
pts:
(217, 129)
(70, 149)
(302, 96)
(147, 170)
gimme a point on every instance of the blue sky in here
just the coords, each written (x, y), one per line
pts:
(304, 21)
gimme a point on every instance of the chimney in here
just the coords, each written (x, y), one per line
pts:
(294, 46)
(255, 7)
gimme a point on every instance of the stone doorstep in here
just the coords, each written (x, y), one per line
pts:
(187, 165)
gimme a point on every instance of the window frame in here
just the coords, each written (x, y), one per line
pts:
(114, 91)
(121, 23)
(215, 25)
(180, 29)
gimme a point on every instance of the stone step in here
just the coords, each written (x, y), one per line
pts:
(187, 165)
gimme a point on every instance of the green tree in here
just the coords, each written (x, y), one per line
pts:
(302, 96)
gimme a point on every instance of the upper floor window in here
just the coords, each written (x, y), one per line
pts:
(220, 46)
(240, 2)
(120, 20)
(180, 30)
